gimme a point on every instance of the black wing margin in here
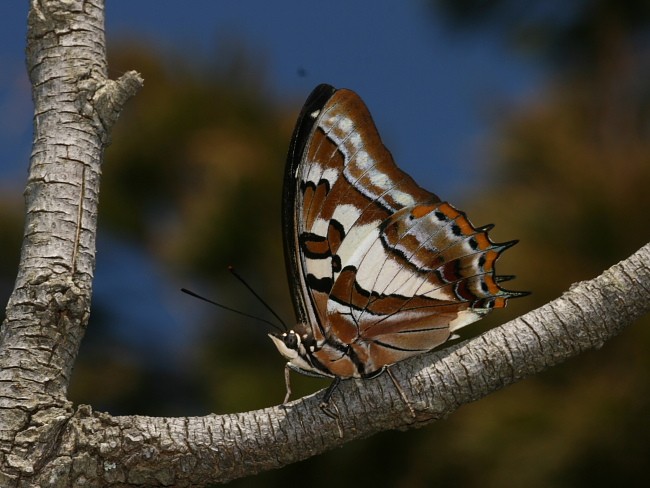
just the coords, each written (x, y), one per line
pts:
(301, 134)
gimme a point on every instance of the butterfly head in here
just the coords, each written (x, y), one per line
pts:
(296, 350)
(289, 344)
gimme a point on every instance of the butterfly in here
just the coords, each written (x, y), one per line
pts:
(380, 269)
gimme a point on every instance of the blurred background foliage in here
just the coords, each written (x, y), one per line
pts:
(193, 181)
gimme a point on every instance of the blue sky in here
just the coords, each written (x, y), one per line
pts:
(427, 88)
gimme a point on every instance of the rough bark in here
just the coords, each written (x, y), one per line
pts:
(45, 442)
(75, 107)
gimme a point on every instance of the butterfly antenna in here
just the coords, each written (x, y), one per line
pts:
(262, 301)
(195, 295)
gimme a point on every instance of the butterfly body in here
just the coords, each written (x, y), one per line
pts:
(381, 270)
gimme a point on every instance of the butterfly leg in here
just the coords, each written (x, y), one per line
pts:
(333, 414)
(327, 397)
(329, 392)
(400, 391)
(287, 382)
(327, 402)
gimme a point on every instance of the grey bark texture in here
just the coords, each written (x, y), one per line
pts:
(44, 441)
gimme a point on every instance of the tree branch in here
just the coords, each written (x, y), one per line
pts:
(197, 451)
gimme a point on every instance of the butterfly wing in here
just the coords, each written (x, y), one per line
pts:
(381, 269)
(335, 152)
(292, 206)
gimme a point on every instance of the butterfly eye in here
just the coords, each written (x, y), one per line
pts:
(291, 340)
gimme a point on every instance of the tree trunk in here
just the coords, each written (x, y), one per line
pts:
(45, 442)
(75, 107)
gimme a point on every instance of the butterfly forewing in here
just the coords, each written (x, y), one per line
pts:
(381, 269)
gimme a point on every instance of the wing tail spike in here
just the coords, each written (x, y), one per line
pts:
(485, 228)
(508, 294)
(518, 294)
(502, 246)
